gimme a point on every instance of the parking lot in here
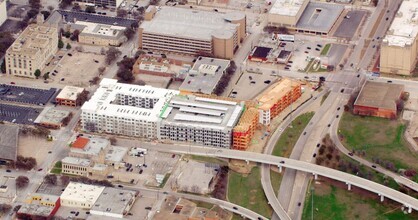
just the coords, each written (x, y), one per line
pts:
(74, 68)
(251, 84)
(18, 114)
(25, 94)
(156, 163)
(350, 24)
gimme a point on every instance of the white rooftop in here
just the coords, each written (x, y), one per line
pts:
(201, 112)
(286, 7)
(404, 28)
(101, 101)
(192, 23)
(76, 161)
(116, 153)
(82, 193)
(69, 93)
(100, 29)
(93, 147)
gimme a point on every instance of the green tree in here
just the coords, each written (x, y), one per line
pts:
(37, 73)
(60, 44)
(68, 46)
(46, 76)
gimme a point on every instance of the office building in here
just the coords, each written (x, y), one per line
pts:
(69, 96)
(76, 166)
(276, 98)
(107, 3)
(3, 11)
(286, 12)
(203, 121)
(190, 31)
(398, 52)
(204, 76)
(79, 195)
(31, 50)
(101, 34)
(378, 99)
(124, 109)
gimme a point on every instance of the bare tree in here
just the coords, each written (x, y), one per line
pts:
(51, 179)
(4, 208)
(22, 181)
(195, 189)
(113, 140)
(122, 13)
(64, 180)
(112, 54)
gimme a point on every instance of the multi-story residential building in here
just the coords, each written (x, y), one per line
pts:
(244, 131)
(108, 3)
(124, 109)
(189, 31)
(275, 99)
(31, 50)
(199, 120)
(3, 11)
(398, 53)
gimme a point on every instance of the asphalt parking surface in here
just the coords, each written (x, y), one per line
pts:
(25, 94)
(18, 114)
(349, 26)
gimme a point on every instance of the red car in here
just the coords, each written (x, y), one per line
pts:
(12, 83)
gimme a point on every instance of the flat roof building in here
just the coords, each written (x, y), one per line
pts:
(378, 99)
(398, 53)
(69, 96)
(101, 34)
(108, 3)
(36, 211)
(9, 138)
(51, 118)
(31, 50)
(286, 12)
(199, 120)
(190, 31)
(76, 166)
(114, 202)
(204, 76)
(125, 109)
(197, 177)
(3, 11)
(79, 195)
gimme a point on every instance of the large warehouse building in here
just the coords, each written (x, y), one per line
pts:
(398, 54)
(31, 50)
(189, 31)
(125, 109)
(286, 12)
(378, 99)
(199, 120)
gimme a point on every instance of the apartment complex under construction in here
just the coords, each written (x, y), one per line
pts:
(245, 129)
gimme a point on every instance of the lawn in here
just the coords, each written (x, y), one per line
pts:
(208, 159)
(276, 179)
(324, 51)
(291, 135)
(203, 204)
(57, 169)
(330, 202)
(379, 138)
(325, 96)
(247, 192)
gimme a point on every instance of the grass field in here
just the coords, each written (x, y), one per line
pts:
(57, 169)
(247, 192)
(208, 159)
(379, 138)
(325, 96)
(324, 51)
(333, 203)
(276, 179)
(291, 135)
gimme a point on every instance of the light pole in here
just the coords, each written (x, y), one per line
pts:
(312, 192)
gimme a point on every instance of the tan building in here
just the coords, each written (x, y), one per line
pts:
(398, 54)
(31, 50)
(100, 34)
(189, 32)
(76, 166)
(69, 96)
(286, 12)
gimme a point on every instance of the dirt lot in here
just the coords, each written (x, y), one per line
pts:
(30, 146)
(77, 69)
